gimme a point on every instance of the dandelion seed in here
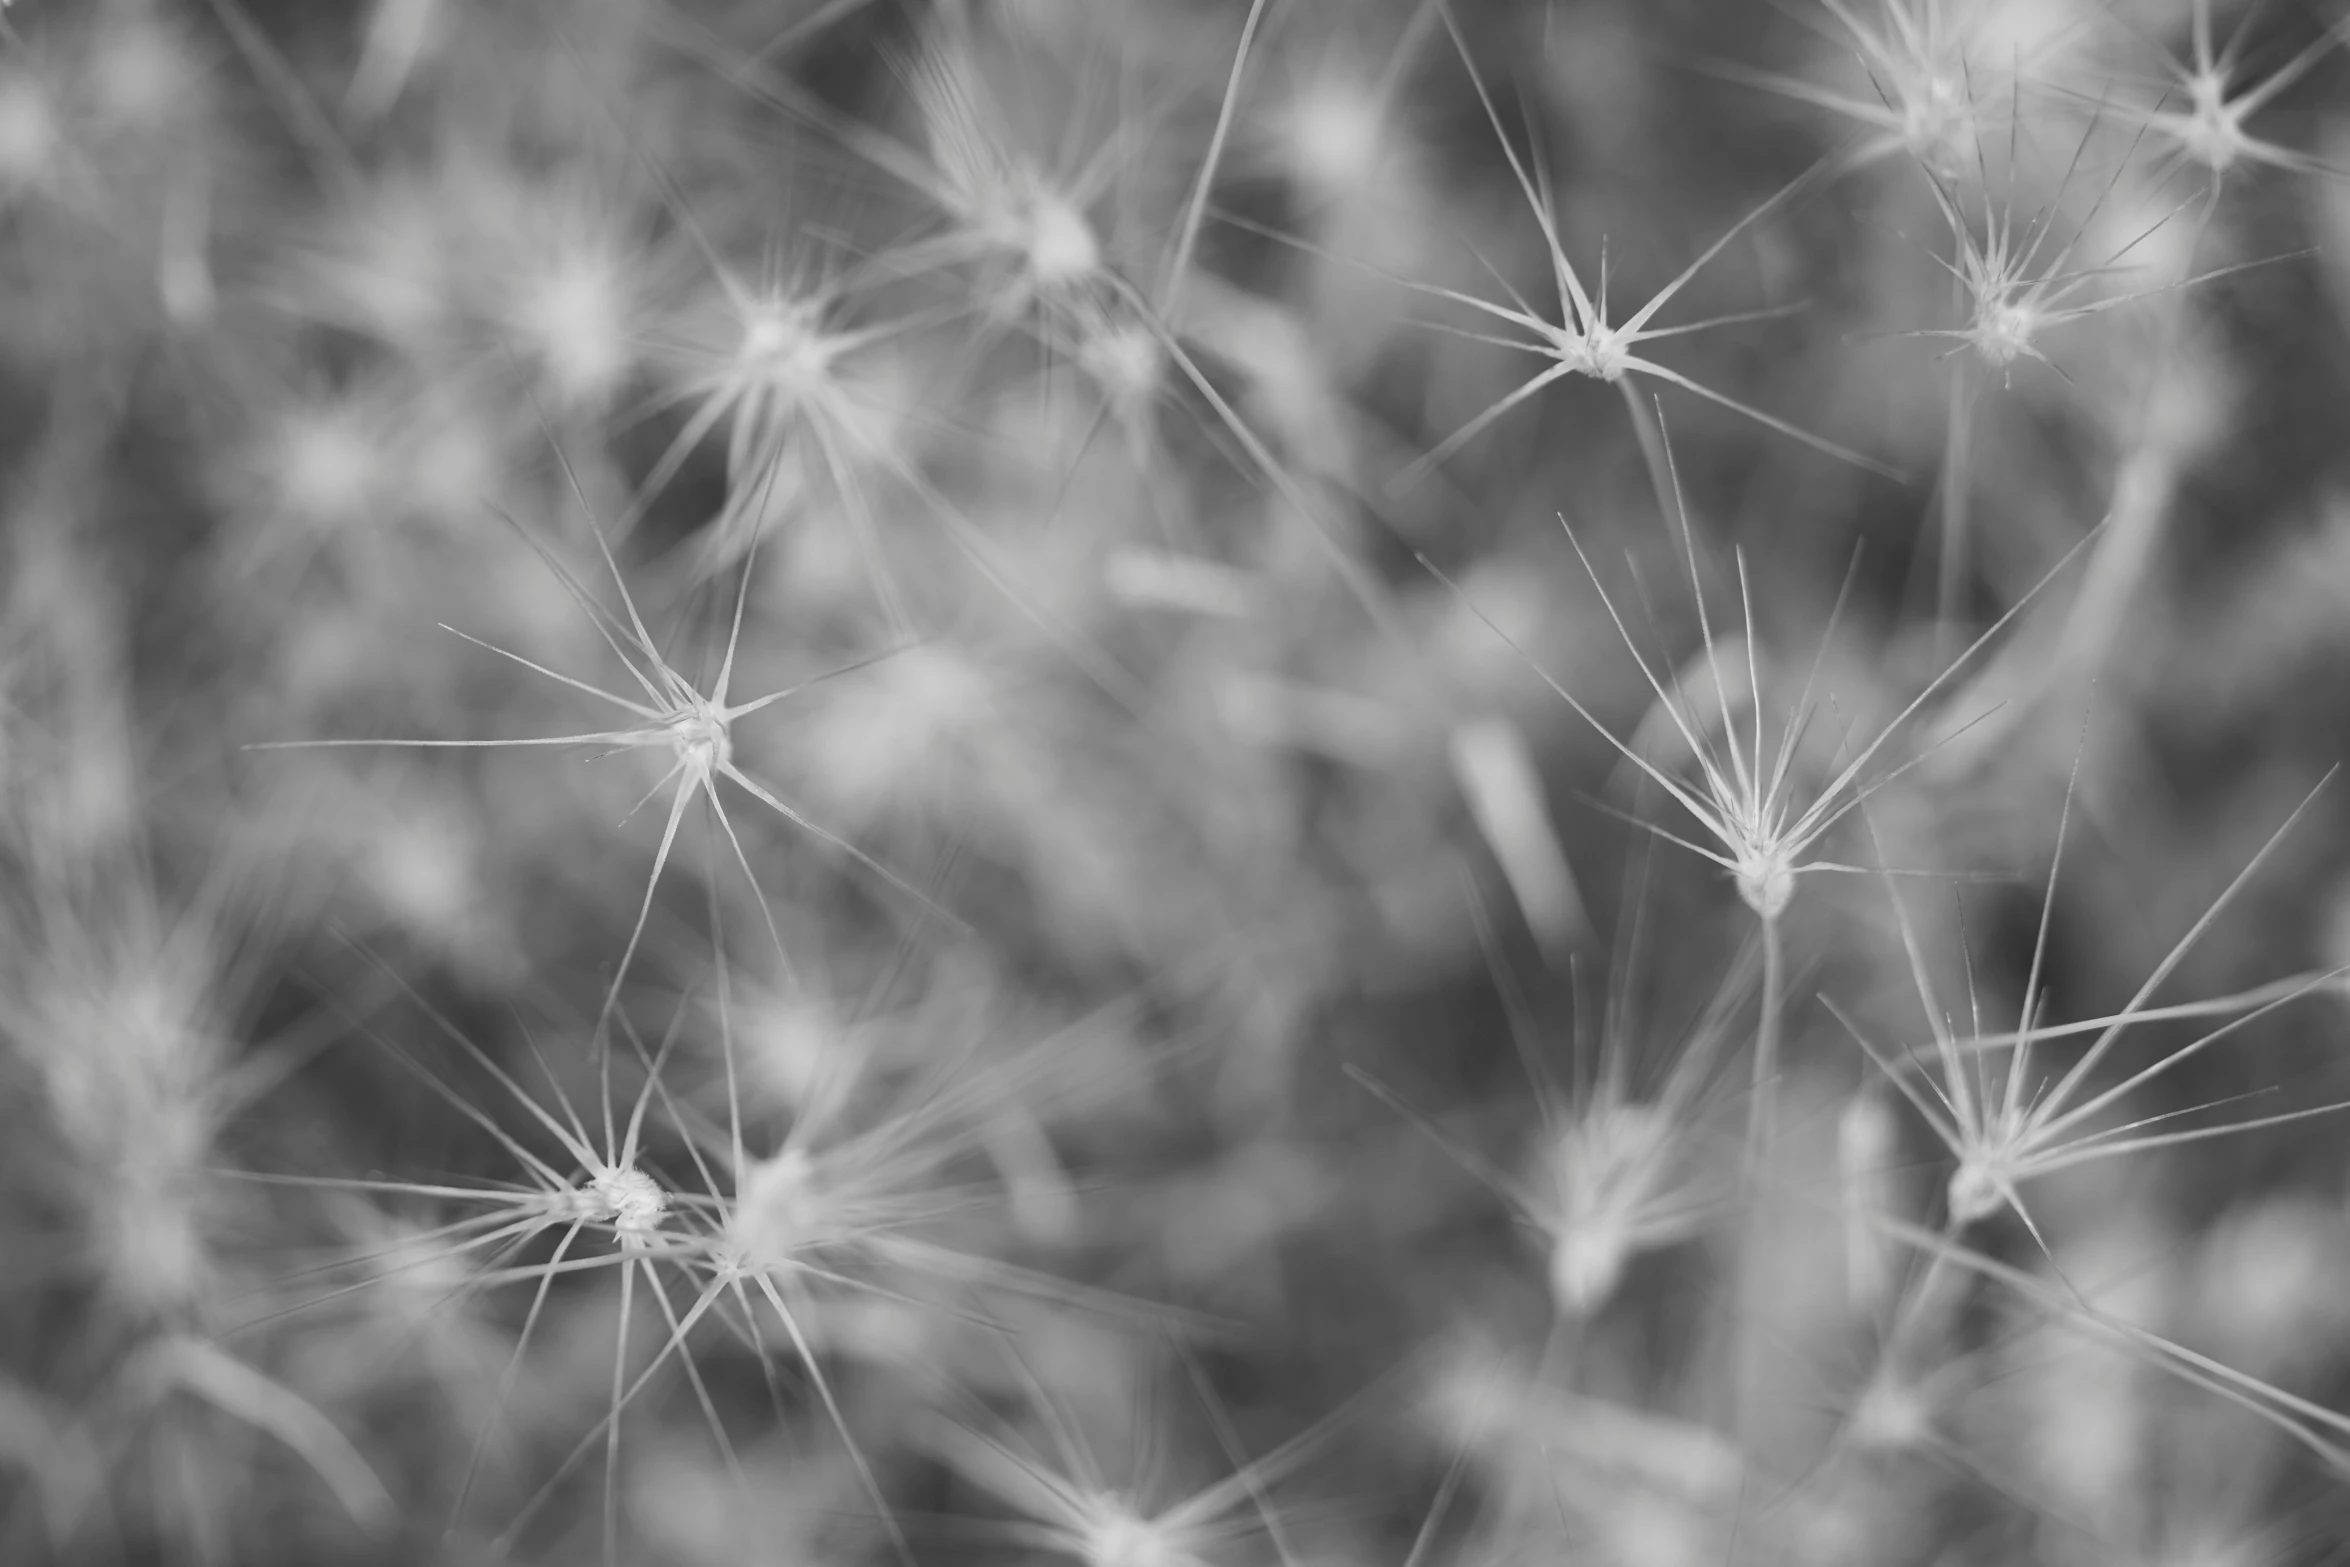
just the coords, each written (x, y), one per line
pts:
(802, 403)
(629, 1200)
(847, 1205)
(773, 1237)
(695, 728)
(771, 376)
(1744, 802)
(1610, 1175)
(1584, 340)
(1930, 90)
(1617, 1173)
(1026, 220)
(607, 1189)
(2004, 1133)
(977, 174)
(1007, 203)
(2016, 294)
(1334, 130)
(1754, 823)
(1066, 1505)
(2210, 131)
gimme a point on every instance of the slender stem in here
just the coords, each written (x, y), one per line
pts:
(1910, 1316)
(1562, 1347)
(1754, 1248)
(1171, 305)
(1652, 450)
(2144, 485)
(612, 1434)
(1761, 1122)
(1956, 565)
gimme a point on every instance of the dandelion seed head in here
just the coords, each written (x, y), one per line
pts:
(2004, 328)
(1126, 360)
(1116, 1536)
(1765, 876)
(630, 1200)
(1057, 242)
(997, 191)
(2212, 130)
(1892, 1415)
(783, 344)
(1598, 351)
(702, 737)
(1979, 1186)
(1938, 121)
(1611, 1149)
(1587, 1262)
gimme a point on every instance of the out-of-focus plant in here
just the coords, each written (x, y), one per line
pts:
(1238, 899)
